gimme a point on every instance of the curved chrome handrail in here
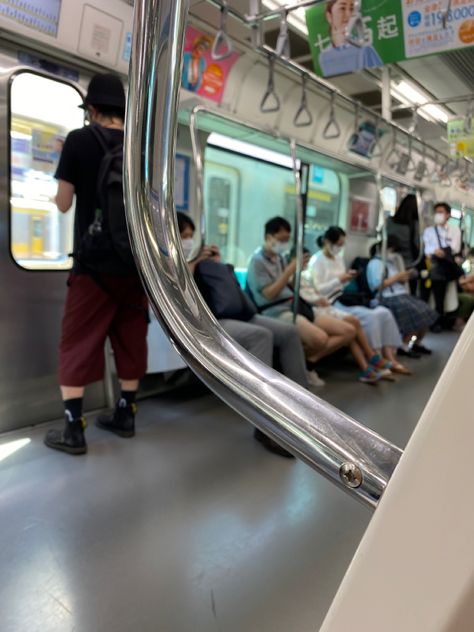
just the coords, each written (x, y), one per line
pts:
(349, 454)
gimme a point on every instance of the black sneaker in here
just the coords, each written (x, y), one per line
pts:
(121, 422)
(417, 348)
(408, 353)
(70, 440)
(270, 445)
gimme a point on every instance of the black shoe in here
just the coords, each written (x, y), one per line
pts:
(70, 440)
(121, 422)
(417, 348)
(436, 328)
(270, 445)
(409, 353)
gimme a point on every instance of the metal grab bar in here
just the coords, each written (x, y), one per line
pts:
(299, 228)
(421, 229)
(349, 454)
(222, 39)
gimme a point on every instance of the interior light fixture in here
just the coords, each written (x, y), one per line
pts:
(248, 149)
(296, 18)
(408, 94)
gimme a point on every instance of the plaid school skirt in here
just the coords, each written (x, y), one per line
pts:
(411, 313)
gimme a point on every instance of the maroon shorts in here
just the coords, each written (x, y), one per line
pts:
(119, 311)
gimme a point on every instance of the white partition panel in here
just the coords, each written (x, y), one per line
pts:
(414, 569)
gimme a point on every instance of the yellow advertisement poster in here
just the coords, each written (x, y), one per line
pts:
(460, 139)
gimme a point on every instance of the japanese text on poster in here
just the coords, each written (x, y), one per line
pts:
(394, 30)
(425, 32)
(39, 15)
(202, 74)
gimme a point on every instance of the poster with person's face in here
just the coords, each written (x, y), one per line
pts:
(361, 215)
(202, 74)
(393, 30)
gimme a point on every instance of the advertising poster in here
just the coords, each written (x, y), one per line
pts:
(461, 142)
(360, 215)
(425, 33)
(383, 36)
(394, 30)
(46, 149)
(201, 74)
(39, 15)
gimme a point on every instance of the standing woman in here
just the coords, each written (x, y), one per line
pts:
(329, 276)
(404, 225)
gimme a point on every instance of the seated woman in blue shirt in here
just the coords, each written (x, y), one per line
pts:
(414, 317)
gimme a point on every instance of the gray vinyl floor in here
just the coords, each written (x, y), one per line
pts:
(191, 525)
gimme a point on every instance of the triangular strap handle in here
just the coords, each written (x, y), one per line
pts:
(222, 40)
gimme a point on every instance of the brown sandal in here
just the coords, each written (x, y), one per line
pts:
(400, 369)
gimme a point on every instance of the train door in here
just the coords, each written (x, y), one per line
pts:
(222, 185)
(35, 241)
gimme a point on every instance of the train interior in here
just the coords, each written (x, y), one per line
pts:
(192, 525)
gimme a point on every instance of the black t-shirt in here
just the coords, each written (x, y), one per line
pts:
(79, 165)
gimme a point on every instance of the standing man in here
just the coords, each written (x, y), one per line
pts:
(441, 240)
(105, 297)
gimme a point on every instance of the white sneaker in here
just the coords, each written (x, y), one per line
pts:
(314, 379)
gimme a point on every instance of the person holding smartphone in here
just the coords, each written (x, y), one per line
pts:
(414, 317)
(329, 276)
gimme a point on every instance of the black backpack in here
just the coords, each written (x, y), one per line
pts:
(105, 247)
(358, 291)
(221, 291)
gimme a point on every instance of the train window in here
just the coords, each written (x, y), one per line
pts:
(43, 111)
(241, 194)
(323, 199)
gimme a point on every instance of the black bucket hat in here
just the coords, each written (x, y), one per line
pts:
(105, 89)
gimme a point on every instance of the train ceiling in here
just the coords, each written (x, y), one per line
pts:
(438, 77)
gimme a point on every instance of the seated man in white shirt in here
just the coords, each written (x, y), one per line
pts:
(436, 239)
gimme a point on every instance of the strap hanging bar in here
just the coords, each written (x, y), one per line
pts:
(421, 167)
(446, 14)
(266, 105)
(355, 29)
(270, 14)
(332, 129)
(414, 121)
(393, 156)
(469, 117)
(264, 50)
(282, 47)
(303, 116)
(376, 147)
(222, 40)
(346, 452)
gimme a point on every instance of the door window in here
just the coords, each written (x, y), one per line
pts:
(43, 111)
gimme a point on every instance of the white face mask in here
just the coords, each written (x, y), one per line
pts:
(188, 245)
(280, 247)
(439, 219)
(335, 250)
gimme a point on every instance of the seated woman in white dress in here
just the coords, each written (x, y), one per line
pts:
(327, 272)
(331, 320)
